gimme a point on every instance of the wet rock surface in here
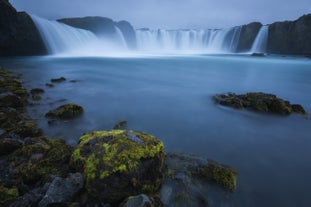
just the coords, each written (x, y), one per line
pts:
(259, 101)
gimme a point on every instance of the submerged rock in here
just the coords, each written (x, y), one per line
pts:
(119, 163)
(66, 111)
(120, 125)
(258, 101)
(258, 54)
(36, 91)
(58, 80)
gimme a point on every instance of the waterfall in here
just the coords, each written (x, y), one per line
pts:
(211, 41)
(62, 39)
(59, 37)
(260, 43)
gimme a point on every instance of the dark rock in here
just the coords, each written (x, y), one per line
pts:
(120, 125)
(258, 54)
(19, 35)
(116, 167)
(36, 91)
(50, 85)
(258, 101)
(62, 190)
(248, 36)
(31, 198)
(9, 145)
(58, 80)
(297, 108)
(290, 37)
(9, 99)
(66, 111)
(141, 200)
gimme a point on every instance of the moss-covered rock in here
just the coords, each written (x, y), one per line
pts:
(39, 158)
(258, 101)
(120, 125)
(119, 163)
(66, 111)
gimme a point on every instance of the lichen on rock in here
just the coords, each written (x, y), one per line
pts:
(119, 163)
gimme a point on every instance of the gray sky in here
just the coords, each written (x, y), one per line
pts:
(171, 13)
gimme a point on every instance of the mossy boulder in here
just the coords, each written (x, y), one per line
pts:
(119, 163)
(66, 111)
(39, 158)
(259, 101)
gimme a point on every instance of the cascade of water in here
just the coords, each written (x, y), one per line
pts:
(59, 37)
(62, 39)
(214, 41)
(120, 38)
(260, 43)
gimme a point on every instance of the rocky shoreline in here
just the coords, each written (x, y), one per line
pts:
(107, 168)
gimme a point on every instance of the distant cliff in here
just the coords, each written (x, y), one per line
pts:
(290, 37)
(247, 36)
(103, 27)
(18, 34)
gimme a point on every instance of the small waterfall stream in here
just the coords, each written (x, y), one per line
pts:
(260, 43)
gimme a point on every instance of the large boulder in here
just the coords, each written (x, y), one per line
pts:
(119, 163)
(248, 36)
(18, 33)
(258, 101)
(290, 37)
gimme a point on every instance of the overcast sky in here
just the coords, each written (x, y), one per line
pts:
(171, 13)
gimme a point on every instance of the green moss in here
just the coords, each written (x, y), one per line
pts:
(7, 194)
(102, 154)
(36, 161)
(36, 97)
(221, 174)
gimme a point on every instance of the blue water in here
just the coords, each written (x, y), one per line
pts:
(170, 97)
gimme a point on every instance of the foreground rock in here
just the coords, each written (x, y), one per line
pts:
(119, 163)
(193, 181)
(66, 111)
(259, 101)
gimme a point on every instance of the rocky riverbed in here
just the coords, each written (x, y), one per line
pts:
(107, 168)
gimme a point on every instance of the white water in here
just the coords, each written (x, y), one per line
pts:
(207, 41)
(260, 43)
(63, 40)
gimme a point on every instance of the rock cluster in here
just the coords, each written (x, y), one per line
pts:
(259, 101)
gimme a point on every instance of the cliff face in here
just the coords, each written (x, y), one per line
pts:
(18, 34)
(290, 37)
(103, 27)
(247, 36)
